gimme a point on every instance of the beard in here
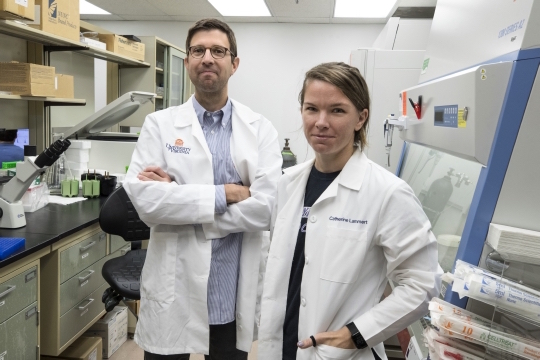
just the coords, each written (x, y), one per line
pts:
(210, 85)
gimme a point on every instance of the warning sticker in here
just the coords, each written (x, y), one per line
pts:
(22, 2)
(461, 123)
(483, 77)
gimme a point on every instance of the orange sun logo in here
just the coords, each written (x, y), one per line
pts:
(179, 142)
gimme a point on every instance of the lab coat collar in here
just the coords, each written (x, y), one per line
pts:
(243, 135)
(186, 115)
(351, 176)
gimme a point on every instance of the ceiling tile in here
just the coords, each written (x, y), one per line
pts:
(417, 3)
(100, 17)
(192, 18)
(357, 21)
(249, 19)
(200, 8)
(127, 7)
(312, 20)
(304, 8)
(147, 17)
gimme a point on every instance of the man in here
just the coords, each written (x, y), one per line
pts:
(204, 176)
(8, 150)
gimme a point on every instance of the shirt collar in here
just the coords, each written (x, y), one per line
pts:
(200, 110)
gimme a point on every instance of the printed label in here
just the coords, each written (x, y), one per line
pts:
(461, 123)
(84, 255)
(22, 2)
(93, 355)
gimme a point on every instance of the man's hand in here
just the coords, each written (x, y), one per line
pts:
(340, 339)
(236, 193)
(154, 173)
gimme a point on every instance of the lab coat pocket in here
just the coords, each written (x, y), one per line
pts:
(325, 352)
(159, 270)
(344, 251)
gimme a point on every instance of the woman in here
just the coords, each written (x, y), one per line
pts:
(342, 226)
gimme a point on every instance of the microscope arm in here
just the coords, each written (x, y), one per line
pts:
(28, 170)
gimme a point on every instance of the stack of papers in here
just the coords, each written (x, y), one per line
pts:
(514, 243)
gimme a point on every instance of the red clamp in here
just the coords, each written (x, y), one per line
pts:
(417, 107)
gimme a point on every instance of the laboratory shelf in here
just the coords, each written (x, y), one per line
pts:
(159, 97)
(49, 101)
(159, 70)
(58, 43)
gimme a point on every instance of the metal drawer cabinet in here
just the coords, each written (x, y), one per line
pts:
(17, 293)
(81, 255)
(116, 243)
(19, 335)
(81, 315)
(81, 285)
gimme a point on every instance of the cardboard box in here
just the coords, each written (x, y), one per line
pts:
(84, 348)
(27, 79)
(64, 86)
(122, 46)
(112, 328)
(135, 306)
(58, 17)
(17, 9)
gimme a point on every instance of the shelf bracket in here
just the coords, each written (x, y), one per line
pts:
(63, 48)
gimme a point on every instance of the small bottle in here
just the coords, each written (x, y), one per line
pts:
(289, 159)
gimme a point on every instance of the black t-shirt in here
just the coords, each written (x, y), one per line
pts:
(316, 185)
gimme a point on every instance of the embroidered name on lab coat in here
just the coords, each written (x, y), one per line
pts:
(352, 221)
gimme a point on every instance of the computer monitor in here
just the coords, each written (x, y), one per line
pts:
(12, 142)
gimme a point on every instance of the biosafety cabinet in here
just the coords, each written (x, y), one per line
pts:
(471, 133)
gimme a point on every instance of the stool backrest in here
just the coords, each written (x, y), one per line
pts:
(119, 217)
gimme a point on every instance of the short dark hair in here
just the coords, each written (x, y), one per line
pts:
(349, 80)
(8, 135)
(213, 24)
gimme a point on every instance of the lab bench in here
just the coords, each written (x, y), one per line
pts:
(50, 291)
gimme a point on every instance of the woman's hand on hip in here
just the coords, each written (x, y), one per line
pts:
(340, 339)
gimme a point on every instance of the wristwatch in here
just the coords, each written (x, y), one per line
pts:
(357, 338)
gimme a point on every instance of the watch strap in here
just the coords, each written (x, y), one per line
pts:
(357, 338)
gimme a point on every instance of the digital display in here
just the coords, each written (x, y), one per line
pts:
(439, 116)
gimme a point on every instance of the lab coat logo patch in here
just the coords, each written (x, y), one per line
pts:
(179, 142)
(175, 149)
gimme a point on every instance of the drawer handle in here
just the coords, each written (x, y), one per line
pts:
(31, 275)
(102, 236)
(31, 312)
(84, 248)
(82, 278)
(10, 289)
(85, 306)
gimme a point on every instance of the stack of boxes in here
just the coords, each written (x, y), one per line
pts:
(112, 328)
(77, 157)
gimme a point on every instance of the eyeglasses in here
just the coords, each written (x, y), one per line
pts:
(217, 52)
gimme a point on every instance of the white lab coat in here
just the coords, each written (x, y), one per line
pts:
(367, 226)
(174, 315)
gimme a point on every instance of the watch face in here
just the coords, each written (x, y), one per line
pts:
(359, 341)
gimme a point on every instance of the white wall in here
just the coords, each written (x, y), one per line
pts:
(273, 61)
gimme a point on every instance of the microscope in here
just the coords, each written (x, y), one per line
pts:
(11, 193)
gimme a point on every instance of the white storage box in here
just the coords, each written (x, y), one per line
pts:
(80, 144)
(78, 155)
(112, 328)
(81, 166)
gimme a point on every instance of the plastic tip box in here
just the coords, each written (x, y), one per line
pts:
(9, 246)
